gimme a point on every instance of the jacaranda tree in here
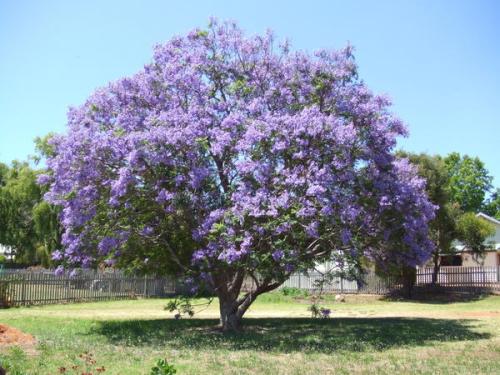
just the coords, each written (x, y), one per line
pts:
(228, 158)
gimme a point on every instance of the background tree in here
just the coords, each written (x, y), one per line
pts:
(232, 158)
(443, 228)
(20, 193)
(469, 182)
(4, 170)
(492, 205)
(448, 188)
(27, 223)
(473, 232)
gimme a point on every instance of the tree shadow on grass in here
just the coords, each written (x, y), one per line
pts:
(290, 334)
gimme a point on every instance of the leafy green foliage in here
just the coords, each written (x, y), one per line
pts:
(492, 205)
(294, 292)
(318, 311)
(473, 232)
(434, 169)
(469, 181)
(457, 185)
(43, 147)
(183, 306)
(28, 224)
(162, 367)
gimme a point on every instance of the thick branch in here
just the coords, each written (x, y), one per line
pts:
(245, 301)
(237, 282)
(220, 171)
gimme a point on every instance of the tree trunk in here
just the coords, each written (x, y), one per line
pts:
(409, 277)
(230, 315)
(435, 271)
(232, 306)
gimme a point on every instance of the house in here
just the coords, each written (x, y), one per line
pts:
(461, 256)
(464, 257)
(6, 252)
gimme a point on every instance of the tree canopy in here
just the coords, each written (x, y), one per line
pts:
(434, 170)
(445, 189)
(28, 224)
(230, 157)
(470, 181)
(492, 205)
(473, 232)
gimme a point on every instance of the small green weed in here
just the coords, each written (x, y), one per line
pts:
(162, 367)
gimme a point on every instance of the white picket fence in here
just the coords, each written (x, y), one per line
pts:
(457, 276)
(452, 277)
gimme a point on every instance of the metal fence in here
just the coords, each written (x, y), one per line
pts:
(21, 287)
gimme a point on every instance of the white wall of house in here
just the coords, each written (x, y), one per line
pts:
(495, 239)
(490, 259)
(5, 250)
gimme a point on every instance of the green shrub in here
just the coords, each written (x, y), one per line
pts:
(162, 367)
(294, 292)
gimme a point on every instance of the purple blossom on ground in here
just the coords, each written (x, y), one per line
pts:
(325, 313)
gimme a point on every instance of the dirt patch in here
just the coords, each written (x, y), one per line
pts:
(362, 298)
(10, 336)
(479, 314)
(351, 298)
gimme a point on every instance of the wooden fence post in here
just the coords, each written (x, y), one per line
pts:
(23, 289)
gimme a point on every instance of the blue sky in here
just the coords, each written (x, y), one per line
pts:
(438, 60)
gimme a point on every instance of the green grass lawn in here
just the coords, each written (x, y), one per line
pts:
(364, 335)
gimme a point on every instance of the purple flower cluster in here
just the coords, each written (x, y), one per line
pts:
(325, 313)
